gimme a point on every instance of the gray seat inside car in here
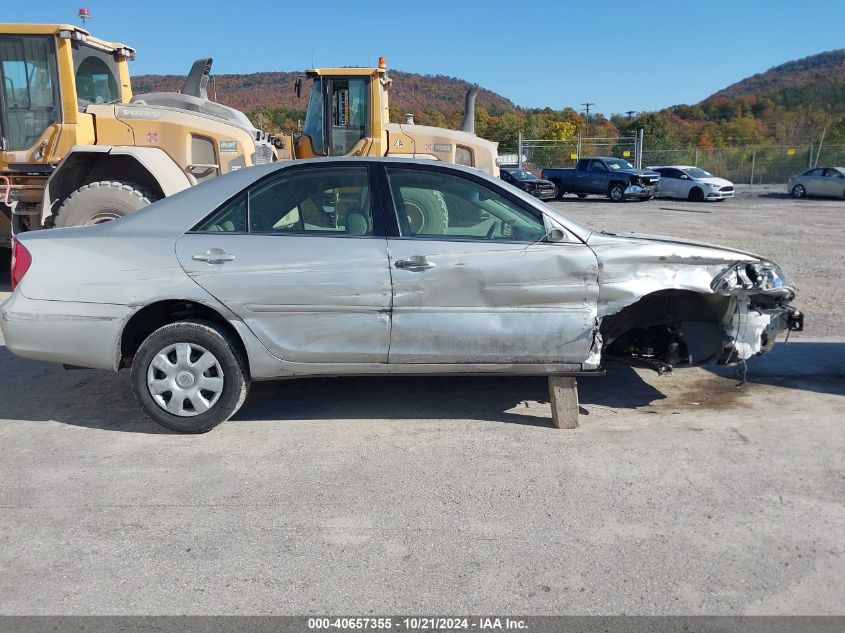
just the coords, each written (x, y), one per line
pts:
(357, 223)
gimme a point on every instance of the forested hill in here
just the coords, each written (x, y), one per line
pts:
(796, 102)
(800, 73)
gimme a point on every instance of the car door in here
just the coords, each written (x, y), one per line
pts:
(488, 288)
(298, 258)
(813, 182)
(668, 182)
(598, 177)
(833, 183)
(582, 176)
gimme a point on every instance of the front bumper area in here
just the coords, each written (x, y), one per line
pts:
(753, 330)
(642, 192)
(71, 333)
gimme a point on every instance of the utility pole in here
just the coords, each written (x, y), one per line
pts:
(587, 114)
(630, 113)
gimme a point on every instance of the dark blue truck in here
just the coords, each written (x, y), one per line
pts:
(615, 178)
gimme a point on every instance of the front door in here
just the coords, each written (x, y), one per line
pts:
(297, 258)
(29, 102)
(486, 287)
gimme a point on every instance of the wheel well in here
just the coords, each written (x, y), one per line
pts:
(149, 318)
(82, 168)
(691, 320)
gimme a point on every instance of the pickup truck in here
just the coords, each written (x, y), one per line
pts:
(615, 178)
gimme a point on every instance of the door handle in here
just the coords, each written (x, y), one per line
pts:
(213, 256)
(415, 262)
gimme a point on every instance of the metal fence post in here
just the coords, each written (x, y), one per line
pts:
(753, 161)
(696, 157)
(519, 151)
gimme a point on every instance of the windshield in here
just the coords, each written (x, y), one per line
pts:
(697, 172)
(616, 164)
(521, 174)
(313, 127)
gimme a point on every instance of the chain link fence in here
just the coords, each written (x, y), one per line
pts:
(751, 164)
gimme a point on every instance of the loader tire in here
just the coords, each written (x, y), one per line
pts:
(427, 211)
(102, 201)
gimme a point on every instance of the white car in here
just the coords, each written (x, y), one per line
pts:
(692, 183)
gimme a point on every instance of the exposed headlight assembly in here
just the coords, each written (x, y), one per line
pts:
(752, 277)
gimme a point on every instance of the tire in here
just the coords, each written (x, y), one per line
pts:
(198, 339)
(798, 191)
(5, 259)
(427, 211)
(559, 193)
(696, 194)
(581, 195)
(102, 201)
(616, 192)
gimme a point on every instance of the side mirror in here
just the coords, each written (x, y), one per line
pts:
(684, 177)
(555, 235)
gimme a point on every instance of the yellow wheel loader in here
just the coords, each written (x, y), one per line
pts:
(77, 147)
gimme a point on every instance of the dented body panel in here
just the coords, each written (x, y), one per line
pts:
(342, 305)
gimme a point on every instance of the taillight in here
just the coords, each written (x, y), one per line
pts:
(543, 174)
(21, 261)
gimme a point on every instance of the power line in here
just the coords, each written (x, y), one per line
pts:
(587, 109)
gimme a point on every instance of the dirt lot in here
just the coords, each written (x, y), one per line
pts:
(684, 494)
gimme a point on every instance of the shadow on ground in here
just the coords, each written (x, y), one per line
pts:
(103, 400)
(818, 367)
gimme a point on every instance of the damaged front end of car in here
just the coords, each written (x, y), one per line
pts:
(667, 304)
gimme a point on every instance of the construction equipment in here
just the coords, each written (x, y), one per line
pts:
(348, 115)
(78, 148)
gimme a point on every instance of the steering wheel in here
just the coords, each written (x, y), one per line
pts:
(493, 228)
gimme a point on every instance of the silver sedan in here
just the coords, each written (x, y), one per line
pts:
(372, 266)
(827, 182)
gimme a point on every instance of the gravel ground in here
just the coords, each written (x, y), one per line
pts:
(682, 494)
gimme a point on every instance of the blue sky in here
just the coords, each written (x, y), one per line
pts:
(621, 55)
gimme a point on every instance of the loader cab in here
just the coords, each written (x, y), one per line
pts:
(29, 90)
(344, 113)
(46, 69)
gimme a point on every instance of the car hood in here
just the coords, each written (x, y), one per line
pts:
(694, 250)
(715, 181)
(636, 172)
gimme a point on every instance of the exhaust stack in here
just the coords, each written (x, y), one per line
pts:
(468, 122)
(197, 79)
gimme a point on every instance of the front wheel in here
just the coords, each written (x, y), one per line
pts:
(798, 191)
(696, 195)
(190, 376)
(102, 201)
(617, 193)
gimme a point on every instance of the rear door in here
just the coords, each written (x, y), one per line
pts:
(488, 289)
(297, 257)
(834, 183)
(813, 182)
(581, 176)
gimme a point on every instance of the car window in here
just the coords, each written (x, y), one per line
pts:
(322, 201)
(230, 218)
(814, 173)
(597, 166)
(436, 205)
